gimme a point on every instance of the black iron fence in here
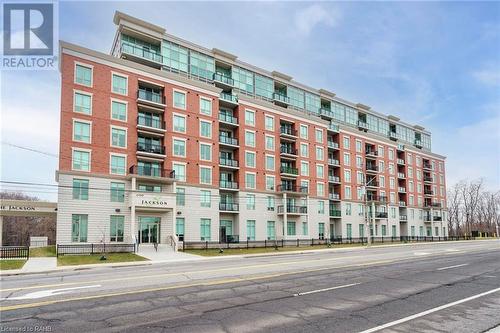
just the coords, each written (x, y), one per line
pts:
(88, 248)
(14, 252)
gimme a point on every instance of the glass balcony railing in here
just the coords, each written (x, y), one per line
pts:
(281, 98)
(401, 161)
(334, 196)
(286, 130)
(334, 128)
(229, 97)
(149, 122)
(291, 209)
(335, 212)
(292, 188)
(150, 148)
(141, 52)
(334, 179)
(228, 162)
(228, 141)
(332, 144)
(401, 175)
(327, 113)
(228, 184)
(229, 206)
(288, 150)
(333, 161)
(228, 118)
(151, 96)
(227, 80)
(151, 171)
(289, 170)
(362, 125)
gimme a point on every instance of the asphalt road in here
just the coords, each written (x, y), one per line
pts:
(445, 287)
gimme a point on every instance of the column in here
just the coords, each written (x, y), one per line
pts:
(285, 218)
(132, 211)
(1, 230)
(432, 222)
(373, 219)
(174, 216)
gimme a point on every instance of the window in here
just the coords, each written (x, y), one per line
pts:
(250, 138)
(81, 160)
(321, 207)
(320, 189)
(348, 194)
(270, 203)
(347, 159)
(117, 191)
(205, 175)
(359, 162)
(118, 164)
(251, 230)
(250, 159)
(321, 230)
(118, 110)
(347, 142)
(304, 150)
(304, 228)
(269, 123)
(359, 147)
(304, 168)
(179, 100)
(360, 177)
(118, 137)
(180, 171)
(270, 183)
(359, 193)
(206, 106)
(347, 176)
(82, 103)
(206, 198)
(179, 227)
(271, 230)
(250, 180)
(269, 142)
(116, 228)
(79, 227)
(205, 229)
(393, 212)
(349, 230)
(391, 153)
(249, 117)
(270, 162)
(320, 171)
(348, 209)
(319, 135)
(381, 151)
(205, 152)
(180, 196)
(83, 75)
(205, 129)
(303, 131)
(81, 131)
(179, 123)
(119, 84)
(80, 189)
(290, 229)
(179, 148)
(250, 201)
(149, 188)
(384, 230)
(320, 154)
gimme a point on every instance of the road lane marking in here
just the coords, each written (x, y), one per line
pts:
(424, 313)
(197, 284)
(449, 267)
(47, 293)
(421, 253)
(325, 289)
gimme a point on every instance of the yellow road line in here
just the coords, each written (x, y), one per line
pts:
(198, 284)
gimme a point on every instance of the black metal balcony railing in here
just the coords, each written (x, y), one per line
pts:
(334, 196)
(428, 192)
(288, 150)
(372, 183)
(150, 148)
(335, 212)
(381, 215)
(228, 118)
(151, 96)
(228, 162)
(227, 140)
(333, 161)
(427, 179)
(334, 179)
(229, 97)
(286, 130)
(371, 152)
(362, 124)
(141, 52)
(281, 98)
(229, 206)
(151, 171)
(293, 209)
(371, 167)
(292, 188)
(228, 184)
(289, 170)
(219, 77)
(427, 166)
(149, 122)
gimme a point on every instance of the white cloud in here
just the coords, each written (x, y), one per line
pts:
(489, 77)
(307, 19)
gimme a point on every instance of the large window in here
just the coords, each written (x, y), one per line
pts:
(119, 84)
(180, 171)
(81, 131)
(201, 65)
(270, 162)
(175, 56)
(81, 160)
(79, 227)
(250, 117)
(118, 164)
(119, 110)
(116, 228)
(81, 189)
(296, 97)
(250, 159)
(250, 180)
(206, 198)
(313, 103)
(269, 123)
(290, 229)
(206, 175)
(179, 123)
(180, 100)
(250, 138)
(271, 230)
(179, 227)
(206, 106)
(205, 152)
(117, 192)
(118, 137)
(179, 148)
(205, 229)
(243, 79)
(82, 103)
(83, 75)
(264, 86)
(250, 201)
(251, 230)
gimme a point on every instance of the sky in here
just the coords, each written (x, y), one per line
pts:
(436, 64)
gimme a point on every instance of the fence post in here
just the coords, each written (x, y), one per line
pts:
(282, 243)
(265, 243)
(247, 243)
(92, 248)
(104, 247)
(28, 255)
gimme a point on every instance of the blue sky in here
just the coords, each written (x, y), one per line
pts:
(435, 64)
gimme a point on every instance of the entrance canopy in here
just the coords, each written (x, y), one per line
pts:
(27, 208)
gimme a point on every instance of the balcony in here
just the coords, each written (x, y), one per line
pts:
(401, 189)
(401, 161)
(228, 120)
(402, 204)
(428, 179)
(428, 204)
(228, 185)
(281, 99)
(438, 218)
(393, 136)
(334, 196)
(147, 171)
(400, 147)
(381, 215)
(427, 166)
(362, 125)
(228, 100)
(288, 132)
(326, 113)
(333, 128)
(371, 153)
(403, 218)
(228, 163)
(376, 198)
(401, 175)
(229, 207)
(371, 168)
(335, 213)
(418, 143)
(289, 171)
(223, 81)
(333, 145)
(150, 125)
(288, 152)
(372, 183)
(141, 55)
(292, 188)
(428, 192)
(333, 162)
(151, 98)
(290, 209)
(150, 149)
(228, 141)
(333, 179)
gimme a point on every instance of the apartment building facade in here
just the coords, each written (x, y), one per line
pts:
(164, 140)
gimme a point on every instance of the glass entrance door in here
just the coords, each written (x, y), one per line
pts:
(149, 229)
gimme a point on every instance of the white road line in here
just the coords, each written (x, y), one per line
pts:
(326, 289)
(448, 267)
(421, 314)
(47, 293)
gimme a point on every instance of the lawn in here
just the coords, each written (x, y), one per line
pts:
(69, 260)
(48, 251)
(11, 264)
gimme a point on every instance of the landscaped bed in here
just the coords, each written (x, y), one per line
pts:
(69, 260)
(11, 264)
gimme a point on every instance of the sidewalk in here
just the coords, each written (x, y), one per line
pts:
(39, 264)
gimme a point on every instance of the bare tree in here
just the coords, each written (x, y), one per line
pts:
(454, 207)
(471, 194)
